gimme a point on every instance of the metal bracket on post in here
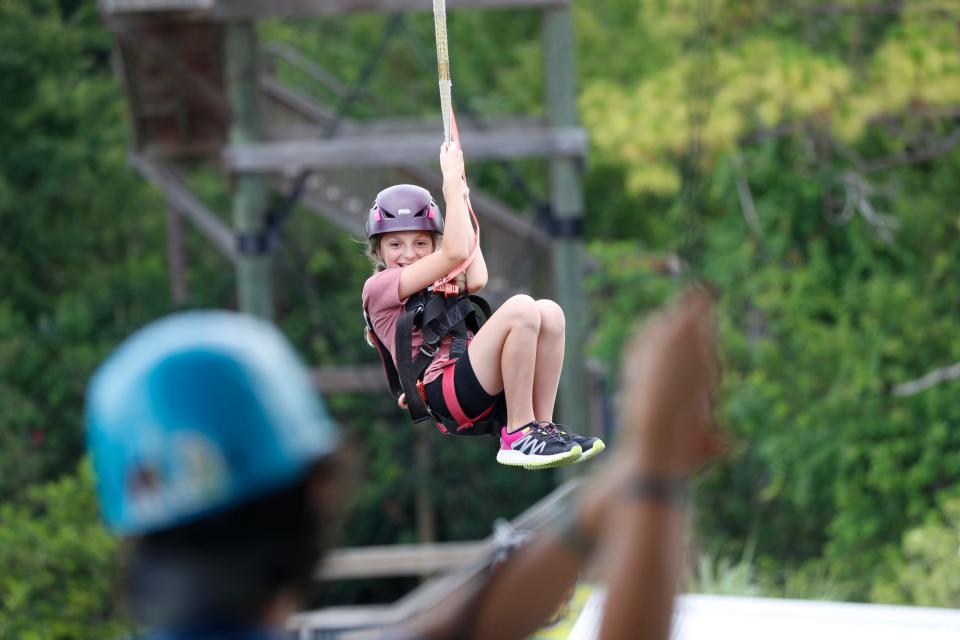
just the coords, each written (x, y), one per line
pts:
(265, 241)
(560, 226)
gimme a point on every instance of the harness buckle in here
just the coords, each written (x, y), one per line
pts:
(446, 289)
(429, 351)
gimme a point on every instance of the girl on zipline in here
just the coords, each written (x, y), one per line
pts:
(510, 369)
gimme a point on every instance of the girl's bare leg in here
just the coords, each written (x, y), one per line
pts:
(549, 362)
(504, 355)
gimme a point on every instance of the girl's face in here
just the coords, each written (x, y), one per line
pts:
(401, 248)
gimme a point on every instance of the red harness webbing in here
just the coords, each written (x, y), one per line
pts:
(453, 405)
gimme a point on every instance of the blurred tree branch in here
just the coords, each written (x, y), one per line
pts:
(935, 377)
(915, 156)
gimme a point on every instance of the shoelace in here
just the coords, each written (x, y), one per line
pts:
(547, 429)
(555, 430)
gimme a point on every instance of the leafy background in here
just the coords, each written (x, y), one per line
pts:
(804, 158)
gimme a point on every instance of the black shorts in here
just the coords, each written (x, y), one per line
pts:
(473, 399)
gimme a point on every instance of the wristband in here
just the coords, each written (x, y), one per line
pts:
(671, 492)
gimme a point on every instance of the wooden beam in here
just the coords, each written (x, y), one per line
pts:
(273, 51)
(137, 6)
(487, 207)
(283, 97)
(134, 35)
(350, 379)
(249, 190)
(176, 254)
(540, 515)
(567, 204)
(360, 149)
(234, 9)
(207, 222)
(310, 624)
(399, 560)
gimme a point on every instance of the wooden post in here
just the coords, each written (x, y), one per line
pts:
(176, 254)
(254, 290)
(426, 525)
(566, 200)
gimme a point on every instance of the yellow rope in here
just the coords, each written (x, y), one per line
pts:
(443, 63)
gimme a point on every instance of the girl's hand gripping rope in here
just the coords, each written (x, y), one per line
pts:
(452, 167)
(456, 193)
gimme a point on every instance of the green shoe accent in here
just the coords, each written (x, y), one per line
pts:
(593, 451)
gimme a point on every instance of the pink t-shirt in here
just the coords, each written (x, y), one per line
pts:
(381, 301)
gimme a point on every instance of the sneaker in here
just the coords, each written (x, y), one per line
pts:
(590, 446)
(533, 446)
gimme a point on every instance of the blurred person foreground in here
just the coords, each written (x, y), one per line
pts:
(217, 465)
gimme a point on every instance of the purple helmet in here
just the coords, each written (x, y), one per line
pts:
(404, 207)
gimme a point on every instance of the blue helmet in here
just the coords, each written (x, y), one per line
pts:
(199, 412)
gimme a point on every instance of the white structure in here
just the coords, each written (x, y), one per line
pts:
(705, 617)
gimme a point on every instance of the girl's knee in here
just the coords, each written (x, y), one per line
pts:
(522, 311)
(551, 316)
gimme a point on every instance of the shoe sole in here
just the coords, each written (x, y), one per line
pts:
(512, 458)
(593, 452)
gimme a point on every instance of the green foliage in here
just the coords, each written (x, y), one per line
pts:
(927, 572)
(746, 577)
(58, 565)
(807, 175)
(81, 254)
(750, 67)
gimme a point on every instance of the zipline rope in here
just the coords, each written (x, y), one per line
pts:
(443, 65)
(451, 133)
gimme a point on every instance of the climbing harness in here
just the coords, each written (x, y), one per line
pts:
(436, 316)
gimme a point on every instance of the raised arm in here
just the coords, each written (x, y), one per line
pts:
(667, 432)
(457, 233)
(476, 273)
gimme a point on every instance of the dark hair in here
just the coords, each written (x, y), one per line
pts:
(230, 566)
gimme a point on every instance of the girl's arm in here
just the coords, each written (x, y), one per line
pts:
(458, 232)
(476, 273)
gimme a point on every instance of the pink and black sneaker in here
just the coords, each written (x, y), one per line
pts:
(533, 446)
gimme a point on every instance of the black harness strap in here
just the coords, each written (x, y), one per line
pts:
(437, 317)
(411, 370)
(393, 379)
